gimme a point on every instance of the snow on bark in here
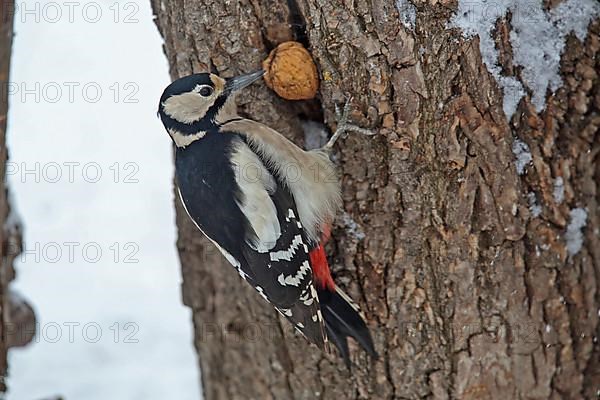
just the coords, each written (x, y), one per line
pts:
(559, 190)
(534, 207)
(574, 236)
(522, 154)
(538, 38)
(408, 13)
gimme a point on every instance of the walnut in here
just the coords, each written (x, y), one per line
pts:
(291, 72)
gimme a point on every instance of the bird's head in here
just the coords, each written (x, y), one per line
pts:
(191, 105)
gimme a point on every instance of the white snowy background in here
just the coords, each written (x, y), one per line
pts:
(111, 324)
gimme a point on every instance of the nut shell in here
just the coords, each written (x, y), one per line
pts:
(291, 72)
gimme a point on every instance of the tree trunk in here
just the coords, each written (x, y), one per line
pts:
(17, 320)
(471, 275)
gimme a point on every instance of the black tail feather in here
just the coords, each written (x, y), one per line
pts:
(343, 320)
(340, 341)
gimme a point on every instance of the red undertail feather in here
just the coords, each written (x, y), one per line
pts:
(342, 316)
(320, 268)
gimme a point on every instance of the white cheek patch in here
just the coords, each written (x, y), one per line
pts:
(187, 107)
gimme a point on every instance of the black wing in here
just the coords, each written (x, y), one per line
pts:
(214, 194)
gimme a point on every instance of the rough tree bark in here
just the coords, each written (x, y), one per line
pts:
(17, 320)
(469, 290)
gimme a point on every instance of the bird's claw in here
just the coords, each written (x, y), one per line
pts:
(343, 126)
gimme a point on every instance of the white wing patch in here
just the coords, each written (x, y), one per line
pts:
(309, 296)
(309, 175)
(256, 184)
(296, 279)
(289, 253)
(261, 291)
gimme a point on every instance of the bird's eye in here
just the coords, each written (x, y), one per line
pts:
(205, 91)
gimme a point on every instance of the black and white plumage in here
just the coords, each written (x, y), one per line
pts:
(233, 180)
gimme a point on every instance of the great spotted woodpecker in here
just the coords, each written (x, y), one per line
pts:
(265, 203)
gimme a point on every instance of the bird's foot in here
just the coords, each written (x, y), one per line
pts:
(343, 126)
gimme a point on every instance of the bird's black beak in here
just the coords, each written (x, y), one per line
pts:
(240, 82)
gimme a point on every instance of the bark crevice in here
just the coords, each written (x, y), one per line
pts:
(468, 293)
